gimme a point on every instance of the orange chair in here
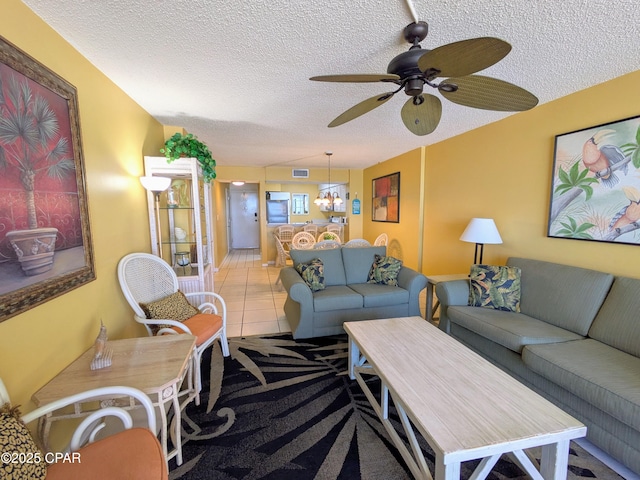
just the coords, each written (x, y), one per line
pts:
(128, 453)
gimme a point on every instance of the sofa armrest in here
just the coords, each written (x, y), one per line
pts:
(414, 282)
(295, 286)
(455, 292)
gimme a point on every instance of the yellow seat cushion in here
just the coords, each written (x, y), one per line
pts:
(203, 326)
(133, 454)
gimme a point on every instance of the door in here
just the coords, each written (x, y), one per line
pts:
(243, 219)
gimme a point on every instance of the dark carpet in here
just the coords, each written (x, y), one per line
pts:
(279, 409)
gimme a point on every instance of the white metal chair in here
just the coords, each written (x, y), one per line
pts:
(303, 241)
(328, 236)
(381, 240)
(357, 242)
(146, 278)
(323, 244)
(128, 453)
(311, 228)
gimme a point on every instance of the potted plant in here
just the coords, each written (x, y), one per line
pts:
(31, 149)
(188, 145)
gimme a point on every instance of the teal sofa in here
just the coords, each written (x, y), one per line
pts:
(576, 341)
(347, 296)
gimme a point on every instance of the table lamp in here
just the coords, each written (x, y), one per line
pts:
(481, 231)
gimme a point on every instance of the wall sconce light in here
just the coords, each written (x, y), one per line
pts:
(481, 231)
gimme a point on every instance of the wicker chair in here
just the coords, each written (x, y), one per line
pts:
(329, 236)
(282, 253)
(357, 242)
(146, 278)
(285, 234)
(303, 241)
(327, 244)
(335, 228)
(381, 240)
(311, 228)
(127, 453)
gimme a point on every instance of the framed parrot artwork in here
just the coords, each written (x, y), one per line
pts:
(595, 191)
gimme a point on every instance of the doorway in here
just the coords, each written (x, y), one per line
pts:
(244, 219)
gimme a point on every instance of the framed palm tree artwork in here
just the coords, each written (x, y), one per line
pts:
(595, 193)
(45, 240)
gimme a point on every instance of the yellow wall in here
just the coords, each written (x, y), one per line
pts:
(504, 170)
(116, 133)
(404, 239)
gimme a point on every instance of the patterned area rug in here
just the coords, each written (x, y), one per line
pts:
(280, 409)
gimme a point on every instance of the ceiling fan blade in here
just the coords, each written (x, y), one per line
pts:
(463, 58)
(488, 93)
(357, 78)
(361, 108)
(423, 118)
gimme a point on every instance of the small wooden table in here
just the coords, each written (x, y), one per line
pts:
(463, 406)
(155, 365)
(432, 281)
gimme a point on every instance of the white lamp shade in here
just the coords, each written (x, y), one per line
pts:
(155, 184)
(481, 230)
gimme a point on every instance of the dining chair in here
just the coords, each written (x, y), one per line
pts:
(357, 242)
(311, 228)
(151, 288)
(328, 236)
(324, 244)
(381, 240)
(303, 241)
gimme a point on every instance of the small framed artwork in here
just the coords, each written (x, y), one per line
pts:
(595, 191)
(45, 239)
(386, 198)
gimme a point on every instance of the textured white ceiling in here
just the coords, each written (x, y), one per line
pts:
(236, 73)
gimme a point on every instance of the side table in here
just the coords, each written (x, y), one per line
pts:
(156, 365)
(432, 281)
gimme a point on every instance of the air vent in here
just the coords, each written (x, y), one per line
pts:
(300, 173)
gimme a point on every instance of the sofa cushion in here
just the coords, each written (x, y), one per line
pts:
(331, 260)
(605, 377)
(509, 329)
(312, 273)
(379, 295)
(495, 286)
(618, 322)
(565, 296)
(337, 297)
(358, 261)
(384, 270)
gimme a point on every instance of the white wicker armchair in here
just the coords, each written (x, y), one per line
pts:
(146, 278)
(128, 453)
(303, 241)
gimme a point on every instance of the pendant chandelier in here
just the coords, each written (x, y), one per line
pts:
(328, 198)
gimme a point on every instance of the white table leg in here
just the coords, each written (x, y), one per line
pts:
(450, 471)
(554, 460)
(354, 358)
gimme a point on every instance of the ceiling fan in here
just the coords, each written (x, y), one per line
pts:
(454, 63)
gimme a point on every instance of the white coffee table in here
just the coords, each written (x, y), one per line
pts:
(463, 406)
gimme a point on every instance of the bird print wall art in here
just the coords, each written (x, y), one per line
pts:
(595, 192)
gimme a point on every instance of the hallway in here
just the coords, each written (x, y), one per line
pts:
(254, 302)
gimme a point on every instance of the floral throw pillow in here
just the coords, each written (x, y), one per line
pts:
(312, 273)
(496, 287)
(384, 270)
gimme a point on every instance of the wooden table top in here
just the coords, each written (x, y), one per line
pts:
(150, 364)
(457, 400)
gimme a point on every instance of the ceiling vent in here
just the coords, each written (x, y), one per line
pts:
(300, 173)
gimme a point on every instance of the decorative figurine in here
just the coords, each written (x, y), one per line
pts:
(102, 355)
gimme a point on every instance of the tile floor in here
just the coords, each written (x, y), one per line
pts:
(254, 302)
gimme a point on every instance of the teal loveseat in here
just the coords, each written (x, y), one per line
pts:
(347, 296)
(576, 341)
